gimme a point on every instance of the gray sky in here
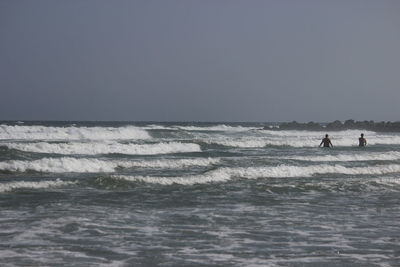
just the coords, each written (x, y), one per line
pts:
(203, 60)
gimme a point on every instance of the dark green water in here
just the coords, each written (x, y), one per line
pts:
(152, 194)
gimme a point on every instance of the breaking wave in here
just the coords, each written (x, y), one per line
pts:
(387, 156)
(297, 141)
(19, 132)
(308, 171)
(283, 171)
(222, 128)
(172, 163)
(67, 164)
(5, 187)
(238, 142)
(59, 165)
(216, 128)
(186, 180)
(259, 142)
(105, 148)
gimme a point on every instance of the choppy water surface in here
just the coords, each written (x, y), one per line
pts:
(174, 194)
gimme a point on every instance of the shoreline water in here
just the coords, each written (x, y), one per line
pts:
(173, 194)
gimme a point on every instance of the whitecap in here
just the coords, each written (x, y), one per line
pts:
(282, 171)
(84, 165)
(35, 132)
(217, 128)
(94, 148)
(298, 139)
(5, 187)
(386, 156)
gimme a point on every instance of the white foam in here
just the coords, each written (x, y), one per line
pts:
(159, 127)
(259, 142)
(216, 128)
(308, 171)
(388, 181)
(59, 165)
(297, 133)
(5, 187)
(186, 180)
(390, 155)
(20, 132)
(225, 174)
(67, 164)
(298, 139)
(238, 142)
(94, 148)
(171, 163)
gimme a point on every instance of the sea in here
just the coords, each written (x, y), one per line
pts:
(196, 194)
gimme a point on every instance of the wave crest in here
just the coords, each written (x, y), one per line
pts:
(105, 148)
(19, 132)
(283, 171)
(387, 156)
(67, 164)
(5, 187)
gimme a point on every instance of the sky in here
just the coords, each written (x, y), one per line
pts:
(200, 60)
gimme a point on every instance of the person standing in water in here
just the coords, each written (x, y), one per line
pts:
(362, 141)
(326, 141)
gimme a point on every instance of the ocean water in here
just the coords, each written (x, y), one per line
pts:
(196, 194)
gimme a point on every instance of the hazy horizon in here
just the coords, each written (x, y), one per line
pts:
(204, 61)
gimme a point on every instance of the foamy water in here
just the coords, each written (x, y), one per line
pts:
(94, 148)
(171, 194)
(70, 133)
(85, 165)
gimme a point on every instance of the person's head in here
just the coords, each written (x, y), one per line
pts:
(362, 135)
(326, 135)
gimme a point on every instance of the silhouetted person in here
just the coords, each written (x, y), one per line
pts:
(326, 141)
(362, 141)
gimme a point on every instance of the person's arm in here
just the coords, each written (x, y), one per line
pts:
(321, 143)
(330, 143)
